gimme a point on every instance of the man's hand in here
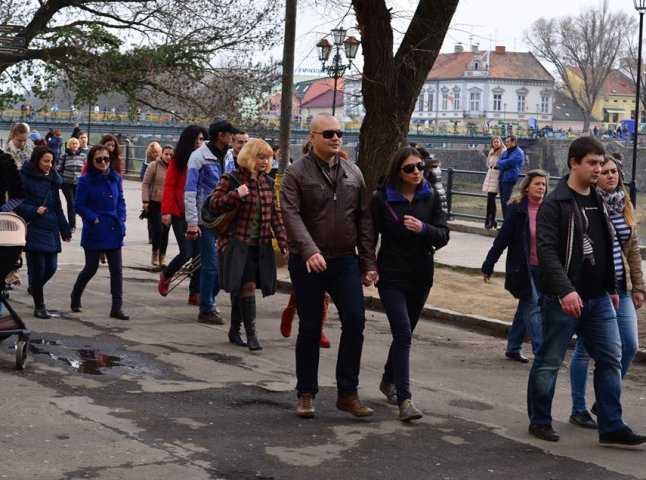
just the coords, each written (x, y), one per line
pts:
(316, 263)
(192, 232)
(571, 304)
(638, 300)
(166, 219)
(371, 277)
(614, 298)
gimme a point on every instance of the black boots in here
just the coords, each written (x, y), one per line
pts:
(236, 322)
(75, 304)
(490, 222)
(117, 312)
(40, 311)
(247, 308)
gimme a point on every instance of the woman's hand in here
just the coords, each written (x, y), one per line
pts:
(243, 190)
(145, 207)
(166, 219)
(413, 224)
(192, 232)
(41, 210)
(638, 300)
(486, 277)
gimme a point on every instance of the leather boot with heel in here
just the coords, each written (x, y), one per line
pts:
(75, 303)
(248, 314)
(236, 323)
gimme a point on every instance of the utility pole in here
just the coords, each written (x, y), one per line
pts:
(287, 86)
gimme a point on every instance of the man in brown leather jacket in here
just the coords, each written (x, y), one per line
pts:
(326, 211)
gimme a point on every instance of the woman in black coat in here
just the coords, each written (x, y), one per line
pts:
(518, 236)
(407, 213)
(43, 211)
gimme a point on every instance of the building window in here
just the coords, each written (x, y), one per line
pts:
(521, 103)
(545, 104)
(420, 103)
(474, 101)
(445, 100)
(430, 102)
(456, 100)
(497, 102)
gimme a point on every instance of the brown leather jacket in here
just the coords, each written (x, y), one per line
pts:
(323, 218)
(633, 264)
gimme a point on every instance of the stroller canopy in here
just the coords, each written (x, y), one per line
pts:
(13, 230)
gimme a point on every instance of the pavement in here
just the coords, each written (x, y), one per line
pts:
(161, 396)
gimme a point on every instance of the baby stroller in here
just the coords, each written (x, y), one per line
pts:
(12, 241)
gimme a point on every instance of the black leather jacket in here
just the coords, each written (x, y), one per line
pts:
(559, 243)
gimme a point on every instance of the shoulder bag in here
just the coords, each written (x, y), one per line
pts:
(219, 224)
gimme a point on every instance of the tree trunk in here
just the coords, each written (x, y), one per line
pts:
(391, 83)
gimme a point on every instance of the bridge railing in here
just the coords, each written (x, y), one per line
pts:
(468, 184)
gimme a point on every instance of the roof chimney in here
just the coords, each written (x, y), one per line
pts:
(475, 47)
(459, 48)
(500, 49)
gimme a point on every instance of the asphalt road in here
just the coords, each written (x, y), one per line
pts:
(161, 396)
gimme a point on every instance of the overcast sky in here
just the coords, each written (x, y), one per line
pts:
(487, 22)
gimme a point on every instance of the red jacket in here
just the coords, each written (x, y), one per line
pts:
(173, 196)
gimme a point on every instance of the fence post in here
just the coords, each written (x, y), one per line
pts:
(128, 157)
(449, 191)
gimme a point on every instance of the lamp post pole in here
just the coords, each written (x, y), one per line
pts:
(640, 6)
(337, 69)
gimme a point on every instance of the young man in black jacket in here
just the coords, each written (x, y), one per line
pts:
(577, 280)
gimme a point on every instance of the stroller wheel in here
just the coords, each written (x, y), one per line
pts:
(21, 354)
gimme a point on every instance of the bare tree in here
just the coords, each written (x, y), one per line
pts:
(628, 65)
(392, 81)
(587, 46)
(149, 50)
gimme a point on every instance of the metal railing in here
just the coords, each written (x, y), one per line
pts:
(451, 191)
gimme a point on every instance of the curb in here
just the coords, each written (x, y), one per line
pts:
(481, 323)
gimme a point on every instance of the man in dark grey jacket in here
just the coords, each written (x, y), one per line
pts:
(326, 212)
(577, 280)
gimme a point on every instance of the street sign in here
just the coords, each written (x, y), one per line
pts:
(17, 51)
(12, 41)
(12, 29)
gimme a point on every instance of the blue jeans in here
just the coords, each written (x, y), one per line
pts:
(597, 327)
(209, 283)
(41, 266)
(528, 319)
(342, 280)
(403, 308)
(187, 249)
(505, 188)
(627, 323)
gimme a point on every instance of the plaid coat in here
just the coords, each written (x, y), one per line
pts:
(224, 199)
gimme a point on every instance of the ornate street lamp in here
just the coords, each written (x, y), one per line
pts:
(640, 6)
(337, 69)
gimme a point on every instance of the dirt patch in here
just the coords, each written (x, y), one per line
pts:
(467, 293)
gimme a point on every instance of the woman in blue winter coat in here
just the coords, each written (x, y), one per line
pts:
(407, 213)
(518, 236)
(43, 211)
(100, 203)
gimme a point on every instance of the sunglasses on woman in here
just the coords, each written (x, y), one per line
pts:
(102, 159)
(328, 134)
(410, 168)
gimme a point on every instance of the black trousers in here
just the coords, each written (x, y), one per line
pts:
(69, 191)
(115, 266)
(159, 230)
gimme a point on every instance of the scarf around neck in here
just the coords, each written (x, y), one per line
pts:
(615, 202)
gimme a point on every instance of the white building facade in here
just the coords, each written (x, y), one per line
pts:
(477, 91)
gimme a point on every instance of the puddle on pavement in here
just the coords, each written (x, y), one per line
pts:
(84, 360)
